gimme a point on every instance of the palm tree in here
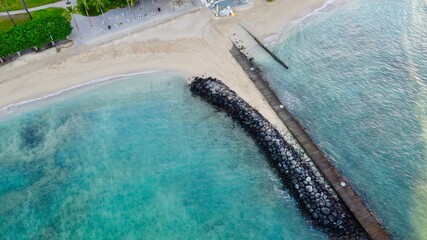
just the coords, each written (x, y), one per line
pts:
(132, 3)
(26, 9)
(70, 11)
(3, 3)
(99, 7)
(87, 13)
(128, 4)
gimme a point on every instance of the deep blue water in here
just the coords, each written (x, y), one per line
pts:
(138, 158)
(358, 83)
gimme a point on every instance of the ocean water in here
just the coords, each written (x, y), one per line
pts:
(137, 158)
(358, 83)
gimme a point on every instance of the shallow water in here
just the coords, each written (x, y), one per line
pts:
(138, 158)
(358, 83)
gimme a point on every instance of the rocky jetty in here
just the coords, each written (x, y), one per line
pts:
(314, 195)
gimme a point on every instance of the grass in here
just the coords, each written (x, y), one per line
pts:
(6, 24)
(16, 4)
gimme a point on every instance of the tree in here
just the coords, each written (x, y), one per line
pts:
(132, 4)
(34, 33)
(84, 2)
(26, 9)
(99, 7)
(70, 11)
(3, 3)
(127, 1)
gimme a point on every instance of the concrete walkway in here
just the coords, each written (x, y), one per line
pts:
(121, 21)
(60, 4)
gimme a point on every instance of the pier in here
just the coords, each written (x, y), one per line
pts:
(266, 49)
(363, 215)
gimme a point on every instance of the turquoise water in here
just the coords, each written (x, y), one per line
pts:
(137, 159)
(358, 83)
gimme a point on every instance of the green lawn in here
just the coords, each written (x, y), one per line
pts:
(16, 4)
(6, 24)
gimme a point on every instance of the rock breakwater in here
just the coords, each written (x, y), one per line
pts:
(314, 195)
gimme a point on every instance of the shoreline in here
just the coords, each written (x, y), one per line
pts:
(348, 197)
(15, 106)
(192, 44)
(305, 181)
(290, 25)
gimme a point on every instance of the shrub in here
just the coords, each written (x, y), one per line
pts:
(118, 3)
(35, 33)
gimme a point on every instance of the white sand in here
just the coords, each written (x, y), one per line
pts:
(193, 44)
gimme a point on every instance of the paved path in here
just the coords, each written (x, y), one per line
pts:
(60, 4)
(347, 194)
(120, 21)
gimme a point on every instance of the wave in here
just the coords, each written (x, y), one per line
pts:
(289, 26)
(11, 107)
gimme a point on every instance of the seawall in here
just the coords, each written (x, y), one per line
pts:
(313, 194)
(347, 194)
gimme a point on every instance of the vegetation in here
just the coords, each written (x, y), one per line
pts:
(97, 7)
(6, 24)
(35, 33)
(69, 14)
(3, 5)
(17, 5)
(24, 4)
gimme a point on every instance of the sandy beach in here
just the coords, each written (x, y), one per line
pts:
(193, 44)
(355, 87)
